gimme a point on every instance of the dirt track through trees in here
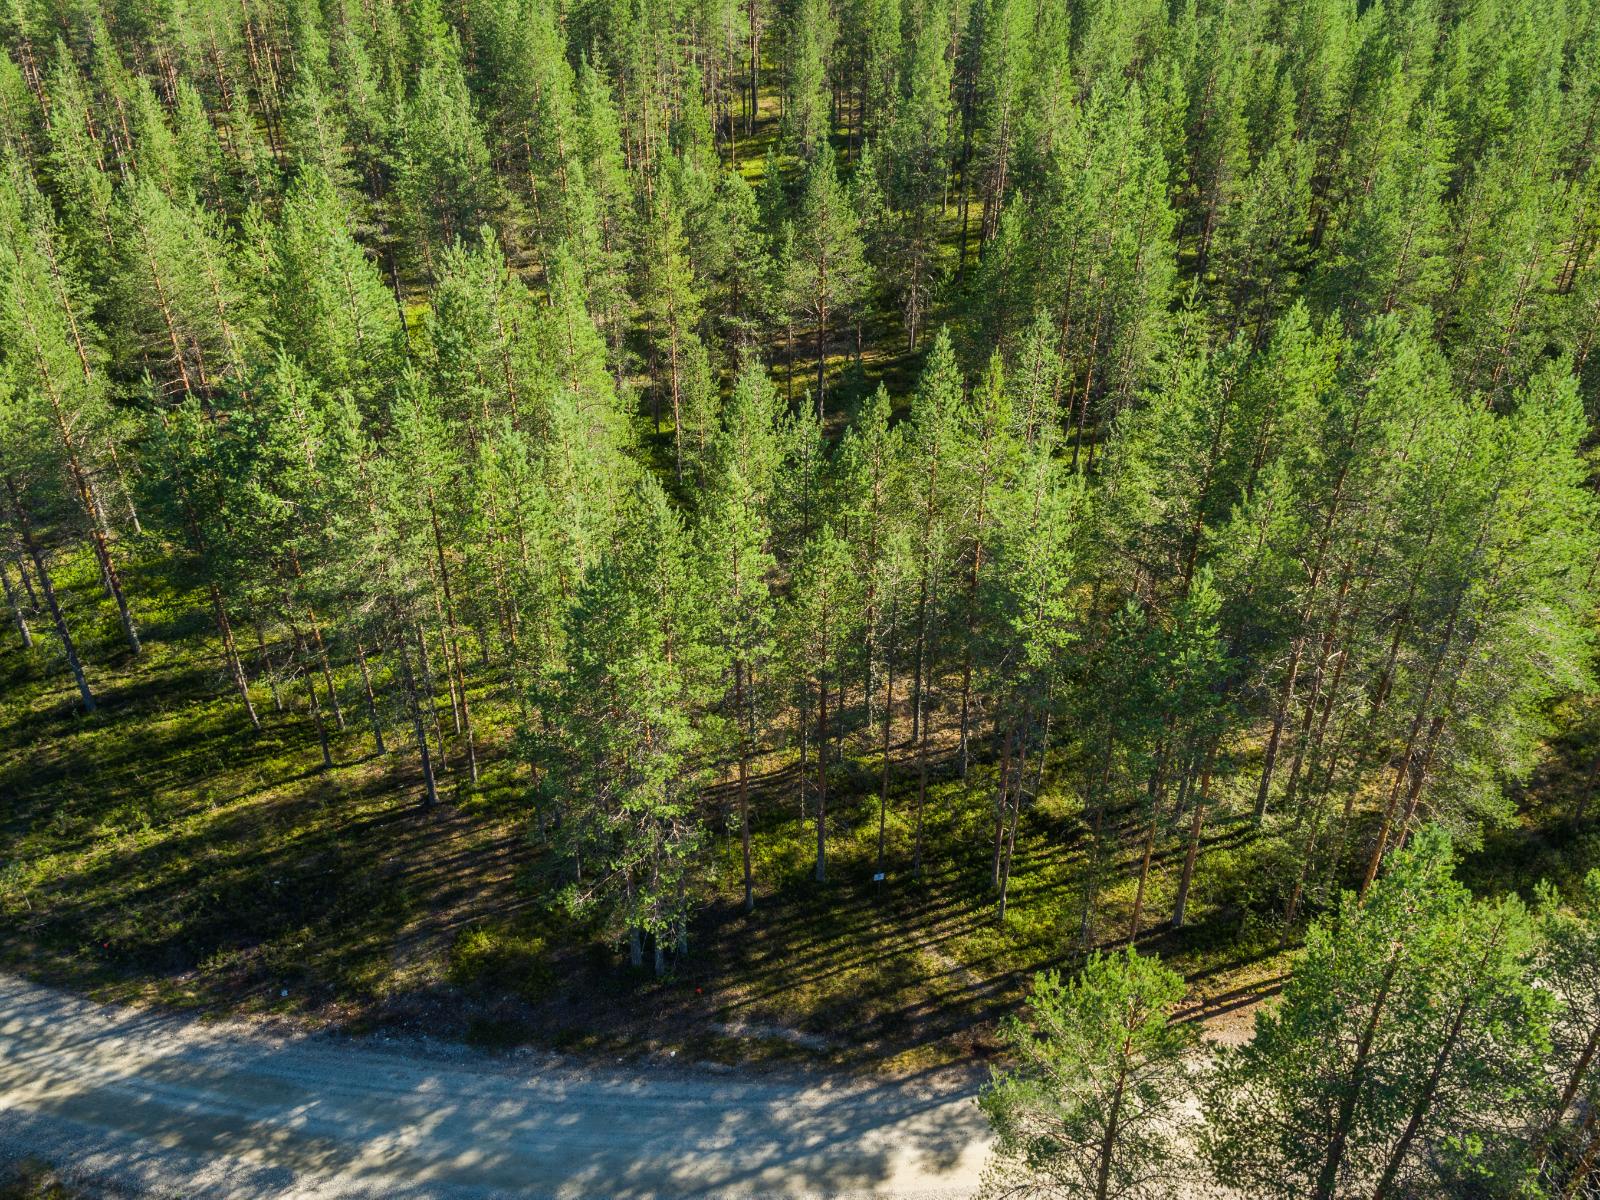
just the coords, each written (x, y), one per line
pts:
(164, 1104)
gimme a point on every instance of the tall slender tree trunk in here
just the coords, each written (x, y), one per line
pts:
(1280, 716)
(1201, 801)
(744, 783)
(1015, 793)
(1569, 1093)
(430, 693)
(922, 798)
(1584, 1167)
(453, 650)
(27, 581)
(414, 706)
(17, 614)
(80, 478)
(326, 666)
(1108, 1141)
(1091, 889)
(230, 653)
(31, 544)
(803, 719)
(883, 783)
(1344, 1120)
(1144, 879)
(303, 655)
(1002, 782)
(1430, 1087)
(372, 699)
(822, 779)
(1307, 609)
(266, 671)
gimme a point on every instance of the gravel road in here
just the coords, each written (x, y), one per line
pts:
(164, 1105)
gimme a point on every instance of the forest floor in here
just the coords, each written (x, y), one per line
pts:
(159, 851)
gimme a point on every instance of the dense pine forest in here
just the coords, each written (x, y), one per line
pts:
(595, 501)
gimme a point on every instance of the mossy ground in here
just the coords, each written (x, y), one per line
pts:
(28, 1180)
(159, 850)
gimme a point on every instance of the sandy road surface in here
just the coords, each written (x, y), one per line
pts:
(167, 1105)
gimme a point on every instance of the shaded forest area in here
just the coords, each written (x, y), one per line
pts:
(501, 494)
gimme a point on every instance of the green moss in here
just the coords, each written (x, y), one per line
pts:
(496, 960)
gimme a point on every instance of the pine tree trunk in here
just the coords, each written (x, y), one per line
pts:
(1430, 1088)
(414, 706)
(1181, 902)
(372, 699)
(1569, 1093)
(1015, 791)
(1144, 879)
(1584, 1167)
(430, 694)
(922, 798)
(302, 654)
(822, 780)
(327, 668)
(1091, 888)
(1314, 586)
(883, 785)
(917, 697)
(84, 488)
(453, 650)
(122, 487)
(1407, 767)
(822, 334)
(25, 531)
(972, 625)
(1002, 783)
(744, 783)
(267, 669)
(1344, 1121)
(1108, 1142)
(1280, 716)
(230, 654)
(27, 581)
(15, 601)
(450, 690)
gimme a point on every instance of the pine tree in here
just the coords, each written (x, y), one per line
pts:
(444, 184)
(76, 167)
(808, 42)
(1030, 623)
(916, 163)
(1003, 81)
(827, 270)
(622, 717)
(930, 477)
(738, 266)
(984, 460)
(55, 359)
(672, 305)
(735, 540)
(28, 467)
(1569, 961)
(177, 298)
(1408, 1043)
(331, 309)
(819, 626)
(532, 112)
(1089, 1110)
